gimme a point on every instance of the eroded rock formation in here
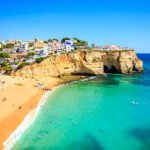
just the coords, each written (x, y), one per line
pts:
(85, 63)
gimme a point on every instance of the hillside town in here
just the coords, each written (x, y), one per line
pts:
(15, 54)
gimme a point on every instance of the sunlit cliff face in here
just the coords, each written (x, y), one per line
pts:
(85, 63)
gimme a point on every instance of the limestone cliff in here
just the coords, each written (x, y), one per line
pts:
(85, 63)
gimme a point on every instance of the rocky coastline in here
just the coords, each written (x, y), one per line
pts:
(94, 62)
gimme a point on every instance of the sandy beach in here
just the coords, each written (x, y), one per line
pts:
(19, 96)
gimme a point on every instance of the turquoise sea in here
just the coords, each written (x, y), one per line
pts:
(105, 113)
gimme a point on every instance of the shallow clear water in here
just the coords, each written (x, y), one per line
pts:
(95, 115)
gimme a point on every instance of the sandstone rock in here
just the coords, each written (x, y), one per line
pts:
(85, 63)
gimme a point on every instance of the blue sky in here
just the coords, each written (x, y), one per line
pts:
(120, 22)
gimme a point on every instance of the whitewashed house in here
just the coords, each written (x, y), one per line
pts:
(21, 47)
(55, 47)
(111, 47)
(68, 45)
(44, 52)
(3, 42)
(7, 50)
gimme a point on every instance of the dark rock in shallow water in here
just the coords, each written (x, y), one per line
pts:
(141, 134)
(89, 142)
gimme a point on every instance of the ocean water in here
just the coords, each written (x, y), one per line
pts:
(105, 113)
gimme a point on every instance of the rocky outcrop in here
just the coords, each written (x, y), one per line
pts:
(85, 63)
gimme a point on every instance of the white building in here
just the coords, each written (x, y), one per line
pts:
(7, 50)
(111, 47)
(55, 47)
(44, 52)
(3, 42)
(21, 47)
(68, 45)
(41, 52)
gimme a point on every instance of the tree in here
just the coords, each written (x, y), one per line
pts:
(39, 60)
(45, 42)
(50, 40)
(23, 64)
(35, 40)
(64, 39)
(8, 46)
(4, 55)
(93, 45)
(19, 42)
(85, 43)
(78, 40)
(30, 54)
(7, 67)
(55, 40)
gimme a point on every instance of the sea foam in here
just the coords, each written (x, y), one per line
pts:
(29, 119)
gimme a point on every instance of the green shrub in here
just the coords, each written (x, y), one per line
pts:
(7, 67)
(39, 60)
(64, 39)
(30, 54)
(45, 42)
(8, 46)
(4, 55)
(23, 64)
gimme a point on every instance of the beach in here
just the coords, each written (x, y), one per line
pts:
(107, 112)
(19, 96)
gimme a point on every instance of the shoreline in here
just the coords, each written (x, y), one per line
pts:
(32, 115)
(26, 123)
(10, 123)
